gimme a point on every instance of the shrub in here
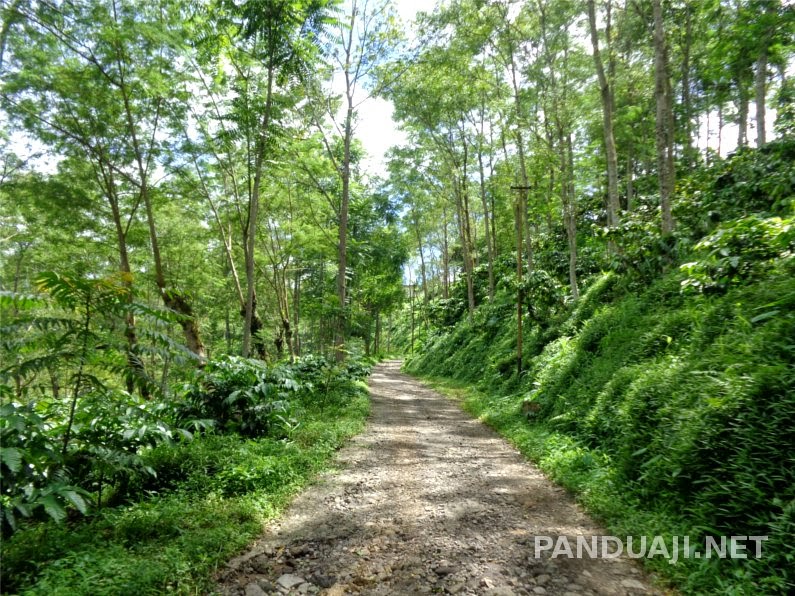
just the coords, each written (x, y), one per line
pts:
(243, 396)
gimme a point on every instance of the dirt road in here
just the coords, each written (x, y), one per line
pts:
(426, 500)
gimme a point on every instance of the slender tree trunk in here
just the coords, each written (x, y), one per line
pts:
(606, 94)
(342, 248)
(445, 258)
(423, 274)
(571, 220)
(518, 213)
(491, 199)
(548, 199)
(228, 330)
(760, 87)
(664, 133)
(377, 344)
(525, 181)
(630, 180)
(463, 231)
(252, 322)
(171, 298)
(135, 366)
(686, 100)
(297, 311)
(529, 228)
(485, 203)
(79, 376)
(742, 114)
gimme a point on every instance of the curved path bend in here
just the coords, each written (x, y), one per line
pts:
(426, 501)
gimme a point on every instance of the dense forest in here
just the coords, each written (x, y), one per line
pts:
(589, 231)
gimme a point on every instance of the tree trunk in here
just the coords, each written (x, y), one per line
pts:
(445, 258)
(297, 312)
(486, 226)
(522, 162)
(686, 101)
(377, 343)
(664, 133)
(252, 322)
(463, 235)
(571, 219)
(630, 180)
(518, 212)
(135, 366)
(178, 303)
(742, 114)
(342, 247)
(423, 274)
(760, 87)
(171, 298)
(606, 94)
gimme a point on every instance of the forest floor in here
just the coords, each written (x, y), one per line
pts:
(427, 500)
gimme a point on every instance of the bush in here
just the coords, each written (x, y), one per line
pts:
(243, 396)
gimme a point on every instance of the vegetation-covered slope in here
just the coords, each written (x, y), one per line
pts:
(666, 400)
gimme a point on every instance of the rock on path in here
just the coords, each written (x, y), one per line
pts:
(427, 501)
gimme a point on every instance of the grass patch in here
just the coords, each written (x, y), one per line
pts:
(223, 489)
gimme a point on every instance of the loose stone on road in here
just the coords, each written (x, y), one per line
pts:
(426, 501)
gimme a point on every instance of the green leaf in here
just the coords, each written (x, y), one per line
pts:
(53, 508)
(764, 316)
(8, 514)
(12, 458)
(19, 301)
(75, 499)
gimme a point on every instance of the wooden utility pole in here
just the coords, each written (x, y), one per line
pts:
(411, 298)
(518, 213)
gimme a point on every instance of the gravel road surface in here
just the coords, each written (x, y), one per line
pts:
(426, 501)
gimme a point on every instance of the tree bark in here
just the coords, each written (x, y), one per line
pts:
(486, 225)
(445, 258)
(423, 273)
(664, 132)
(342, 248)
(570, 213)
(760, 88)
(686, 100)
(252, 322)
(463, 231)
(630, 180)
(606, 94)
(377, 342)
(742, 113)
(297, 312)
(135, 365)
(522, 160)
(171, 298)
(518, 212)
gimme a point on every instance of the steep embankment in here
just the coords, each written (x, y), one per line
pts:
(669, 414)
(666, 401)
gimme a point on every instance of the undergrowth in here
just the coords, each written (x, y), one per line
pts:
(665, 415)
(664, 398)
(211, 498)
